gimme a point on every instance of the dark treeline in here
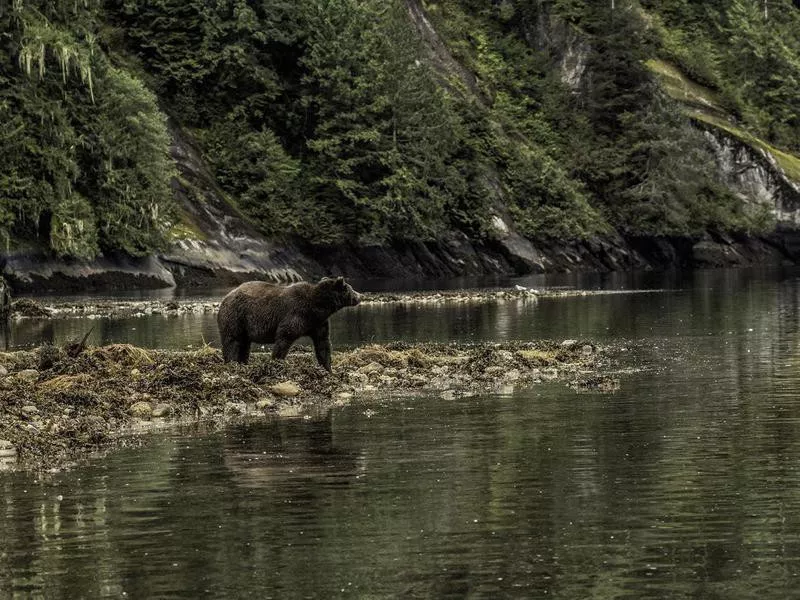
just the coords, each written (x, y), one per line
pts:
(329, 120)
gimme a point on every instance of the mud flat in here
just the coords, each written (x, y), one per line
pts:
(30, 308)
(56, 406)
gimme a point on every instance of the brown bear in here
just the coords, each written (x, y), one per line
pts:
(261, 312)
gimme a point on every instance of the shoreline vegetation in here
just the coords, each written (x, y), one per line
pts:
(27, 307)
(60, 404)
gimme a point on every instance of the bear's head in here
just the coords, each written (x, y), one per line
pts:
(339, 292)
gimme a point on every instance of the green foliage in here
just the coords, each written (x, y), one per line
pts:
(253, 167)
(337, 121)
(73, 228)
(83, 164)
(751, 57)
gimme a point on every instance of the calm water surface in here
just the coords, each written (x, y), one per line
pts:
(684, 484)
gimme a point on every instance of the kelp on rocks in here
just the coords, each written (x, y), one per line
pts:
(54, 407)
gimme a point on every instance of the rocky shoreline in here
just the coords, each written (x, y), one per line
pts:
(58, 404)
(29, 308)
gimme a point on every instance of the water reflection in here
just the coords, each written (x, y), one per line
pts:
(684, 484)
(688, 304)
(294, 451)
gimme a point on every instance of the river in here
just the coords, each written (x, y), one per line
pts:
(685, 483)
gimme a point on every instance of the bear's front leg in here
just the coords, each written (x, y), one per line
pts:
(234, 350)
(322, 346)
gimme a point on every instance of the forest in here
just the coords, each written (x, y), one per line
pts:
(336, 120)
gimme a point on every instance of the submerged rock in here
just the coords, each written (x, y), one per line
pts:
(604, 384)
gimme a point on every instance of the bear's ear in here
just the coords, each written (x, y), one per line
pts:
(340, 282)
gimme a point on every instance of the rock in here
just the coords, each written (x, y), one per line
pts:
(3, 371)
(94, 421)
(504, 356)
(287, 389)
(512, 375)
(357, 378)
(588, 349)
(493, 370)
(162, 409)
(28, 374)
(25, 307)
(7, 449)
(569, 344)
(235, 408)
(344, 395)
(135, 372)
(597, 383)
(371, 368)
(142, 410)
(265, 404)
(29, 410)
(708, 253)
(418, 380)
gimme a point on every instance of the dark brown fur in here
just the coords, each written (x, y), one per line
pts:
(264, 313)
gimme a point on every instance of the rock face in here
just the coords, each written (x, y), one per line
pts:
(222, 245)
(35, 271)
(756, 178)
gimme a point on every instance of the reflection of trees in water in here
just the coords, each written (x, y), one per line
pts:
(78, 546)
